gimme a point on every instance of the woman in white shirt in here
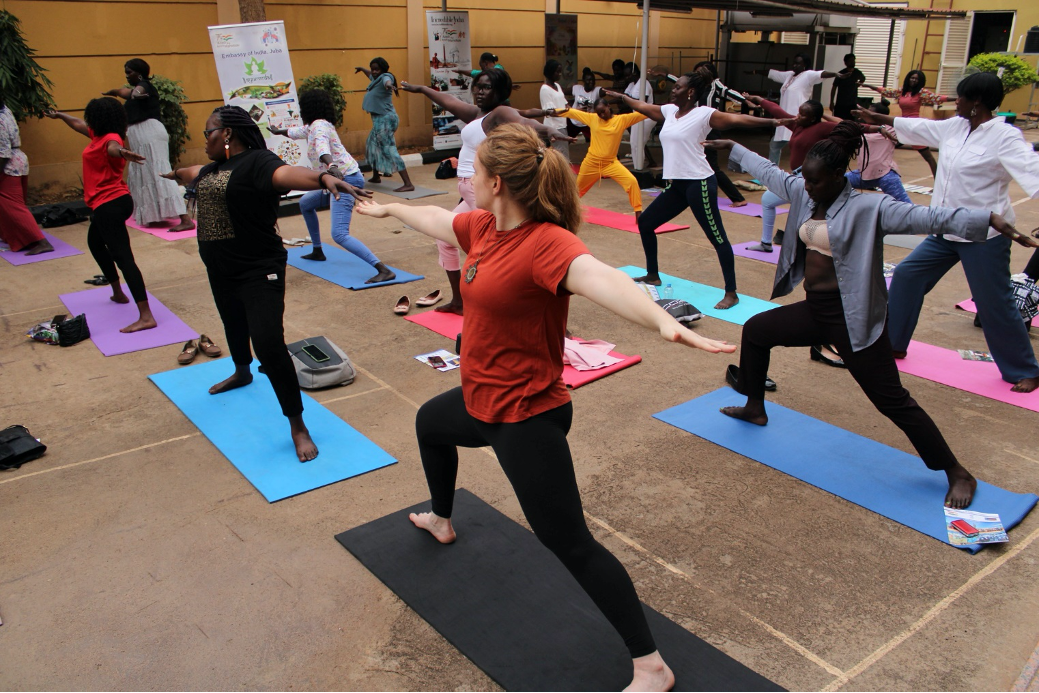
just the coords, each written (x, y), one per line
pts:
(553, 97)
(692, 183)
(585, 95)
(643, 130)
(979, 156)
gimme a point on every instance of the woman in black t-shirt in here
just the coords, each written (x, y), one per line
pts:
(155, 199)
(238, 196)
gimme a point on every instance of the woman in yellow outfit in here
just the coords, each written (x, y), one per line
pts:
(601, 160)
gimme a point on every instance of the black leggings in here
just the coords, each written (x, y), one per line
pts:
(701, 196)
(109, 243)
(1032, 268)
(819, 319)
(536, 459)
(254, 307)
(730, 190)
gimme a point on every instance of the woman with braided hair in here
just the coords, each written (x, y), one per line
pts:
(237, 196)
(835, 247)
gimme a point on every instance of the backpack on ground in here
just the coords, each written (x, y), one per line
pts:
(320, 363)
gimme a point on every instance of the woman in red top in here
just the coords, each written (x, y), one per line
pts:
(524, 260)
(104, 122)
(911, 97)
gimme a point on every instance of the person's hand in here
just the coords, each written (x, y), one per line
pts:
(550, 112)
(172, 175)
(132, 157)
(110, 92)
(336, 186)
(756, 100)
(612, 94)
(889, 132)
(718, 145)
(407, 86)
(865, 116)
(51, 113)
(1000, 224)
(453, 160)
(680, 334)
(372, 209)
(275, 130)
(786, 123)
(557, 137)
(333, 170)
(860, 83)
(656, 73)
(358, 69)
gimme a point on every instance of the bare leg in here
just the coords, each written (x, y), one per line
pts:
(439, 527)
(406, 177)
(651, 674)
(242, 377)
(305, 448)
(929, 158)
(455, 304)
(186, 224)
(751, 412)
(145, 319)
(117, 292)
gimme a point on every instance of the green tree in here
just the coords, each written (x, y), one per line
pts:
(22, 83)
(1016, 72)
(333, 86)
(172, 115)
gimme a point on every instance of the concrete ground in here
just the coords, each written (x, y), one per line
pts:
(134, 556)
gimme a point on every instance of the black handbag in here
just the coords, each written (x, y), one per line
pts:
(17, 446)
(446, 170)
(680, 310)
(73, 330)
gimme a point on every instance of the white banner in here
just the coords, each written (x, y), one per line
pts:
(449, 52)
(252, 61)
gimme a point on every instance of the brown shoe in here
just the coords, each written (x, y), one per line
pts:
(208, 348)
(402, 306)
(188, 353)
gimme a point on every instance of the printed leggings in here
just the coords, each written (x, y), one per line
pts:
(536, 459)
(700, 196)
(109, 243)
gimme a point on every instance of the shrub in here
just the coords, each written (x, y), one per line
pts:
(1016, 72)
(172, 115)
(22, 82)
(333, 86)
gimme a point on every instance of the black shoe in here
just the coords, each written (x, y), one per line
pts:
(732, 376)
(977, 320)
(818, 355)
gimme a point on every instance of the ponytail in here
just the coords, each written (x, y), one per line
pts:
(538, 177)
(837, 150)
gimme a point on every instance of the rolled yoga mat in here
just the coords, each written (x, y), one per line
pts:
(705, 297)
(61, 249)
(163, 231)
(622, 222)
(105, 318)
(344, 269)
(887, 481)
(387, 188)
(450, 326)
(512, 609)
(247, 426)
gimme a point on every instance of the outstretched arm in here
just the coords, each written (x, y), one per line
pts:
(118, 151)
(366, 71)
(784, 184)
(466, 112)
(435, 222)
(614, 291)
(508, 114)
(726, 121)
(77, 124)
(650, 110)
(121, 92)
(182, 175)
(873, 118)
(287, 178)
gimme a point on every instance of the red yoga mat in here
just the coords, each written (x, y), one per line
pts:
(623, 222)
(450, 325)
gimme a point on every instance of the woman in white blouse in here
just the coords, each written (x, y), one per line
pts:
(979, 156)
(553, 97)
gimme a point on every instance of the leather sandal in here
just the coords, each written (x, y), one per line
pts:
(818, 355)
(188, 353)
(208, 348)
(429, 299)
(402, 306)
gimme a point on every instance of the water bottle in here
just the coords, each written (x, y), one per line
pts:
(669, 293)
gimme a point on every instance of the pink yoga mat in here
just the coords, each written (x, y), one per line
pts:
(740, 249)
(623, 222)
(751, 209)
(967, 305)
(978, 377)
(450, 325)
(105, 318)
(61, 249)
(163, 232)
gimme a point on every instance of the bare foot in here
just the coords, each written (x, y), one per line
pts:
(39, 247)
(235, 381)
(316, 254)
(728, 301)
(384, 275)
(182, 226)
(404, 188)
(741, 203)
(748, 413)
(653, 279)
(117, 294)
(1026, 385)
(455, 306)
(306, 450)
(899, 354)
(651, 674)
(439, 527)
(145, 323)
(961, 487)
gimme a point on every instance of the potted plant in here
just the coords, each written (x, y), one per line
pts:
(333, 86)
(21, 78)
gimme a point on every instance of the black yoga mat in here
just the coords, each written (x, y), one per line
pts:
(511, 607)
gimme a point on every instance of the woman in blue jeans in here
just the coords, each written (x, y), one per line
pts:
(325, 148)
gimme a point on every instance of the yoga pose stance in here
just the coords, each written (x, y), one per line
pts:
(491, 90)
(880, 170)
(692, 183)
(237, 196)
(104, 122)
(553, 97)
(910, 97)
(323, 146)
(155, 198)
(523, 251)
(835, 247)
(844, 93)
(380, 150)
(980, 156)
(18, 229)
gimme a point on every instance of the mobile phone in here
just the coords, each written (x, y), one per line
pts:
(315, 353)
(437, 362)
(965, 528)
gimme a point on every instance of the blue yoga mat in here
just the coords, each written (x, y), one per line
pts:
(887, 481)
(344, 268)
(248, 427)
(704, 297)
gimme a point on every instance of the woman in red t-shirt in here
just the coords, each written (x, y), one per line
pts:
(910, 98)
(524, 260)
(104, 122)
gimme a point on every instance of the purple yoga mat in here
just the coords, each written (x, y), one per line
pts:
(740, 249)
(105, 318)
(61, 249)
(751, 209)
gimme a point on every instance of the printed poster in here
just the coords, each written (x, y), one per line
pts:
(449, 52)
(561, 46)
(252, 62)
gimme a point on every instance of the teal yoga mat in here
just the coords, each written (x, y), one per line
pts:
(704, 297)
(887, 481)
(344, 268)
(247, 426)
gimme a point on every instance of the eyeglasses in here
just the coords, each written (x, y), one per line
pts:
(205, 133)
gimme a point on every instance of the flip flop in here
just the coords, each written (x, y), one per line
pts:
(430, 299)
(208, 348)
(403, 306)
(188, 353)
(98, 280)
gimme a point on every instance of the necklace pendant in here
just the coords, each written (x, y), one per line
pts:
(470, 274)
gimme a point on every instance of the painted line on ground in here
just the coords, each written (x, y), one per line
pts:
(351, 396)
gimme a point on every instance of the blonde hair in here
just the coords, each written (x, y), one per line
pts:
(538, 177)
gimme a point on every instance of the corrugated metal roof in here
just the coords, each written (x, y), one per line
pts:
(786, 7)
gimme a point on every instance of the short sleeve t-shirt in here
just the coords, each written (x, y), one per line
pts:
(140, 110)
(515, 317)
(681, 139)
(848, 88)
(102, 174)
(378, 100)
(237, 213)
(553, 97)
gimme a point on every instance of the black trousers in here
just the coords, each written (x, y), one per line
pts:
(109, 243)
(700, 196)
(254, 308)
(1032, 268)
(536, 459)
(730, 190)
(820, 320)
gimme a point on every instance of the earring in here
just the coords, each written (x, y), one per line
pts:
(974, 112)
(227, 145)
